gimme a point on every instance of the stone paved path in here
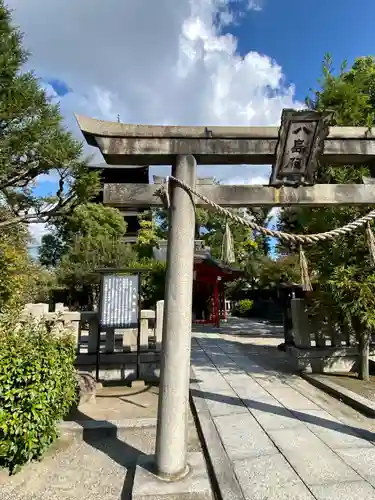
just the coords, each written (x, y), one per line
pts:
(283, 442)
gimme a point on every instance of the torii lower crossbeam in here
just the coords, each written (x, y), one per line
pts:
(141, 195)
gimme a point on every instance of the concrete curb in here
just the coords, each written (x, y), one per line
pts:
(102, 427)
(352, 399)
(224, 479)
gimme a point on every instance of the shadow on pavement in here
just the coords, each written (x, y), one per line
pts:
(119, 451)
(285, 412)
(215, 354)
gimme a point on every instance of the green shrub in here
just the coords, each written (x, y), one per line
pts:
(37, 387)
(243, 307)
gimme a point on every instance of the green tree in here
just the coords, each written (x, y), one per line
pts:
(88, 221)
(83, 241)
(78, 267)
(15, 264)
(150, 232)
(33, 140)
(342, 267)
(210, 227)
(50, 250)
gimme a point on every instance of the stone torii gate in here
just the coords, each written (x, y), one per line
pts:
(184, 148)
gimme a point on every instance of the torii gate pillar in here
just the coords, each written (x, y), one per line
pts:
(172, 424)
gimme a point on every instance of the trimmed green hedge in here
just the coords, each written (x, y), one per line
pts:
(37, 388)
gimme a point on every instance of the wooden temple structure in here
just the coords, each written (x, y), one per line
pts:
(124, 174)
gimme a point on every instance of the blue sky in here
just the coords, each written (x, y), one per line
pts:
(295, 34)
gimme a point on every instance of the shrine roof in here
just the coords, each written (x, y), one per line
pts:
(205, 259)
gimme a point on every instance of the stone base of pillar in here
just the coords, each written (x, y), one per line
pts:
(194, 486)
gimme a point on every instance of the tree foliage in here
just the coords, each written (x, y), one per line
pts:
(342, 266)
(78, 268)
(15, 265)
(33, 140)
(87, 222)
(210, 227)
(88, 239)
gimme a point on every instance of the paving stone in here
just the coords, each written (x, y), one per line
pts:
(239, 379)
(314, 461)
(214, 384)
(333, 432)
(250, 390)
(292, 399)
(230, 349)
(243, 437)
(273, 381)
(270, 478)
(247, 365)
(315, 416)
(281, 418)
(224, 404)
(262, 402)
(361, 460)
(357, 490)
(228, 371)
(254, 392)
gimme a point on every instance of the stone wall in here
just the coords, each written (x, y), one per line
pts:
(120, 349)
(319, 346)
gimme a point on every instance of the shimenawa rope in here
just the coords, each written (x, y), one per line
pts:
(286, 237)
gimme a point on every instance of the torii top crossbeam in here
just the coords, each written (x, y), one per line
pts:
(123, 144)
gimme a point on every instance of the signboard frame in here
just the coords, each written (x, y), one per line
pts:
(299, 147)
(107, 327)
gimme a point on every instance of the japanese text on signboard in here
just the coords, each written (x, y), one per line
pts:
(119, 301)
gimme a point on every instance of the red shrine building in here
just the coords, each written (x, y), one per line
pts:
(210, 276)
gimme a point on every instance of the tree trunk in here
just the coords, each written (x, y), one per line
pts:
(364, 353)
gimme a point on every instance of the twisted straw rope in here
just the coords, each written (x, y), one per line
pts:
(287, 237)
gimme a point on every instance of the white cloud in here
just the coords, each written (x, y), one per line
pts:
(255, 5)
(253, 179)
(161, 62)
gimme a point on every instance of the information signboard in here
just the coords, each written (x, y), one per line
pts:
(119, 301)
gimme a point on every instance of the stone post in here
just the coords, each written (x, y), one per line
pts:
(171, 437)
(59, 307)
(110, 340)
(159, 323)
(301, 325)
(94, 332)
(146, 315)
